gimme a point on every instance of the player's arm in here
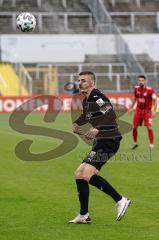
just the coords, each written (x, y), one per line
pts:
(131, 109)
(105, 107)
(94, 132)
(154, 104)
(79, 122)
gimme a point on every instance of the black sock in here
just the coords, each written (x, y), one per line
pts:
(83, 191)
(104, 186)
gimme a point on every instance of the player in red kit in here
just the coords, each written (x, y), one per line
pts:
(145, 101)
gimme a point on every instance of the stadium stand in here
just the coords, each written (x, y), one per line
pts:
(64, 72)
(52, 16)
(43, 78)
(70, 17)
(75, 16)
(9, 82)
(135, 16)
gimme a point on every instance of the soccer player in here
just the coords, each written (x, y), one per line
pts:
(146, 104)
(98, 111)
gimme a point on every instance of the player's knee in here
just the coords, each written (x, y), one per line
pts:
(81, 175)
(87, 176)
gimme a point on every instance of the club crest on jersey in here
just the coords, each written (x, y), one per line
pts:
(100, 102)
(89, 115)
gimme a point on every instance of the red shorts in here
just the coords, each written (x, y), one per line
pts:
(140, 118)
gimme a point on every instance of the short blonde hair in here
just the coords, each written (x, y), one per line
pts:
(89, 73)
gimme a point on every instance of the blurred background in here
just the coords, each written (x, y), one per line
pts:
(116, 39)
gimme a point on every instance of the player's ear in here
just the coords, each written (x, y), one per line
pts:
(93, 83)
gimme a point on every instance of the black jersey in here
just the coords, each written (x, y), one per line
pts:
(98, 111)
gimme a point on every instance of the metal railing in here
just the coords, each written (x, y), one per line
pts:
(38, 2)
(106, 67)
(14, 3)
(105, 26)
(40, 15)
(156, 69)
(133, 15)
(70, 74)
(136, 2)
(25, 78)
(99, 11)
(106, 81)
(119, 83)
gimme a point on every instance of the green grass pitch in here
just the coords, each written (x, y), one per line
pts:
(38, 198)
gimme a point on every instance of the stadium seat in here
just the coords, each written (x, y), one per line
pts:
(10, 83)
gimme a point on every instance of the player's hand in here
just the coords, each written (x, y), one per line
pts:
(76, 129)
(153, 114)
(131, 111)
(91, 134)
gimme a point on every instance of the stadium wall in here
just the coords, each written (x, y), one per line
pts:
(71, 48)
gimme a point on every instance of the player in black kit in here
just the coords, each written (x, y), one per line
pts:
(98, 111)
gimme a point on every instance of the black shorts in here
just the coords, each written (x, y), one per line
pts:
(102, 150)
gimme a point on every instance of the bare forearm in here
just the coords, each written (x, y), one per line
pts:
(133, 103)
(154, 106)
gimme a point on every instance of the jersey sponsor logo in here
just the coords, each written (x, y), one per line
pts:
(100, 102)
(95, 96)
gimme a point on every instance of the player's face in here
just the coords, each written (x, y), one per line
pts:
(85, 83)
(142, 82)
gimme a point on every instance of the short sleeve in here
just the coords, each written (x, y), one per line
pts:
(104, 104)
(153, 94)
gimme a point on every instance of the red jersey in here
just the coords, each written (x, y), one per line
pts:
(144, 97)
